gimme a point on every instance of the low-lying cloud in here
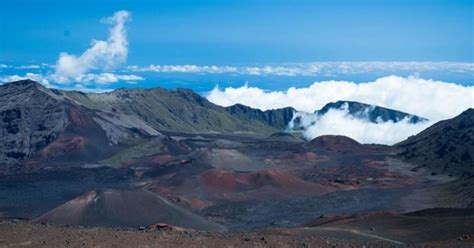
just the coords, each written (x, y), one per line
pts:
(82, 79)
(106, 78)
(427, 98)
(214, 69)
(101, 55)
(33, 76)
(340, 122)
(313, 69)
(435, 100)
(27, 67)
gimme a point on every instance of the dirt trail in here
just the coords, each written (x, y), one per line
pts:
(363, 234)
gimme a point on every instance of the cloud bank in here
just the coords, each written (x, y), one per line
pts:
(435, 100)
(214, 69)
(313, 69)
(428, 98)
(101, 55)
(339, 122)
(27, 67)
(82, 79)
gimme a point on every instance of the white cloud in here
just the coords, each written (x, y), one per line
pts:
(106, 78)
(33, 76)
(29, 67)
(82, 79)
(83, 88)
(427, 98)
(214, 69)
(314, 69)
(101, 55)
(185, 69)
(46, 65)
(435, 100)
(339, 122)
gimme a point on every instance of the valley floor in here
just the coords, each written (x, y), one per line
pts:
(24, 234)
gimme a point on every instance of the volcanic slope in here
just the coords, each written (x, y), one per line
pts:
(414, 227)
(124, 208)
(446, 147)
(278, 118)
(50, 124)
(179, 110)
(42, 123)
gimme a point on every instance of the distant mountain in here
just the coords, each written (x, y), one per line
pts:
(45, 123)
(41, 123)
(446, 147)
(371, 113)
(179, 110)
(362, 111)
(278, 118)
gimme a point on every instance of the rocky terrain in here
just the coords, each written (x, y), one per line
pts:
(446, 147)
(124, 208)
(179, 110)
(278, 118)
(23, 234)
(356, 110)
(370, 112)
(168, 168)
(44, 122)
(31, 117)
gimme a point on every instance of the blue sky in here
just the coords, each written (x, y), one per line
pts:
(223, 32)
(243, 34)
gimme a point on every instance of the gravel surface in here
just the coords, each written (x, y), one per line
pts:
(24, 234)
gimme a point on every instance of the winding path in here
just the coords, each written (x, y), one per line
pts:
(363, 234)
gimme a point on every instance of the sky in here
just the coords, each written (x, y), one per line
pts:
(244, 33)
(414, 56)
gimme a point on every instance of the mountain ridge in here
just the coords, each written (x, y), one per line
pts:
(373, 113)
(443, 147)
(33, 117)
(361, 111)
(278, 118)
(49, 123)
